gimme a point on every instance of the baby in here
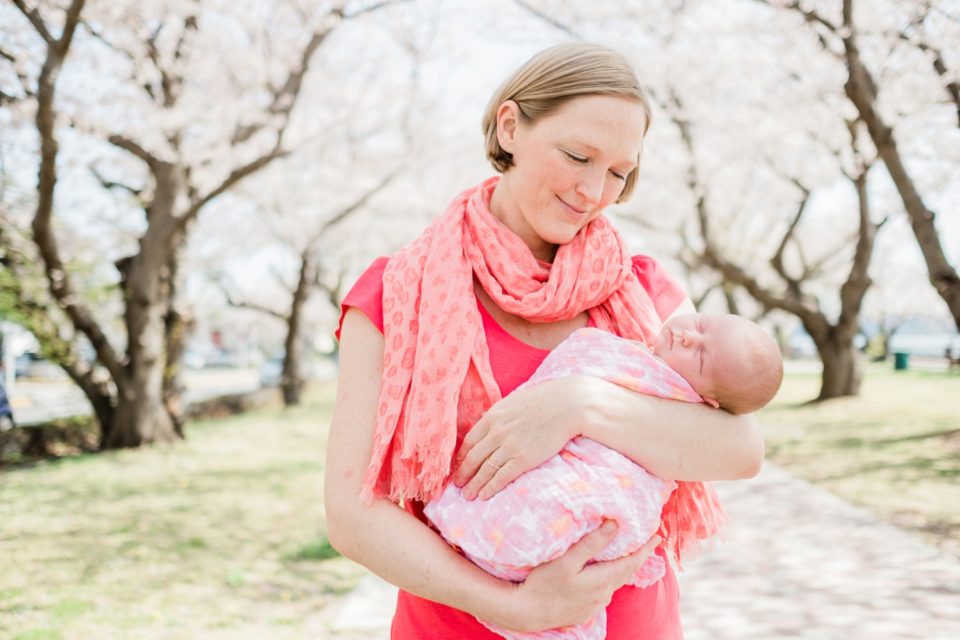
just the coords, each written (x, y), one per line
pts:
(723, 360)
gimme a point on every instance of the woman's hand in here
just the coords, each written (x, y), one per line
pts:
(517, 434)
(567, 590)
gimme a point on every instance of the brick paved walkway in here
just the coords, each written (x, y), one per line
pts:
(797, 562)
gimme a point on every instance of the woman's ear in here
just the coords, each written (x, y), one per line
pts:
(508, 121)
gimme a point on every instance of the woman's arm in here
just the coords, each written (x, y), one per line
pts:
(404, 551)
(382, 536)
(668, 438)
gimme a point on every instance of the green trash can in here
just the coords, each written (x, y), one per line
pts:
(901, 361)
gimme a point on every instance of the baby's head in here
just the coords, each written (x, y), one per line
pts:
(727, 359)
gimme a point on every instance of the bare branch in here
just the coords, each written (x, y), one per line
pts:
(58, 279)
(710, 255)
(362, 200)
(132, 147)
(36, 20)
(550, 20)
(97, 35)
(110, 185)
(170, 81)
(21, 76)
(951, 85)
(812, 18)
(777, 260)
(242, 304)
(284, 97)
(374, 7)
(235, 176)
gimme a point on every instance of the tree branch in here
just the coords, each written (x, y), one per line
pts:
(240, 304)
(284, 97)
(170, 81)
(235, 176)
(811, 17)
(122, 142)
(777, 260)
(550, 20)
(36, 20)
(58, 279)
(110, 185)
(951, 85)
(362, 200)
(710, 256)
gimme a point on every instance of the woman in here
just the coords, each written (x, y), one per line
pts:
(433, 340)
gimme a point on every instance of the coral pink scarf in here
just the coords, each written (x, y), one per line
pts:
(437, 381)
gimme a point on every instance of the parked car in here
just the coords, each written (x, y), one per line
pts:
(6, 412)
(32, 365)
(271, 371)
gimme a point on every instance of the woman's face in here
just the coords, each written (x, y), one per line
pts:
(567, 167)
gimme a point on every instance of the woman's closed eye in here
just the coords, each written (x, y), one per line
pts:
(574, 157)
(582, 160)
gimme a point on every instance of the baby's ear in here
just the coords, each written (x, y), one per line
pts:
(710, 401)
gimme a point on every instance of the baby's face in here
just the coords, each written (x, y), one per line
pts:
(703, 348)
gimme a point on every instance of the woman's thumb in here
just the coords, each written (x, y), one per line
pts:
(593, 543)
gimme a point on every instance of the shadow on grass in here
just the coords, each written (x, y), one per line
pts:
(921, 468)
(860, 442)
(315, 551)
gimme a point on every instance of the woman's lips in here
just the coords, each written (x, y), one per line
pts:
(571, 208)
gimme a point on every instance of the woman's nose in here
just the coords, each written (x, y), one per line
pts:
(590, 186)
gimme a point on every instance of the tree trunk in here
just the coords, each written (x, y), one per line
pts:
(291, 380)
(841, 367)
(176, 325)
(142, 416)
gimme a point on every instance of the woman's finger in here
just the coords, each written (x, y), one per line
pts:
(617, 572)
(476, 435)
(590, 545)
(487, 469)
(471, 463)
(507, 473)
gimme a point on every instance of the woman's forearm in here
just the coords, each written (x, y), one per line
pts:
(405, 552)
(670, 438)
(382, 536)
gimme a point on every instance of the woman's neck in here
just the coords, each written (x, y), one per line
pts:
(504, 208)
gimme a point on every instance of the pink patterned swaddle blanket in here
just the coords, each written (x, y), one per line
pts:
(541, 514)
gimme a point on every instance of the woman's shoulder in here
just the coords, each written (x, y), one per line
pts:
(366, 294)
(664, 290)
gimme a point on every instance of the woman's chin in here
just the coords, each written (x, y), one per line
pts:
(561, 234)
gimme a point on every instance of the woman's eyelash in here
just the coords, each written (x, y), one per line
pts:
(581, 160)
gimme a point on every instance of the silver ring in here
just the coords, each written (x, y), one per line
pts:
(491, 463)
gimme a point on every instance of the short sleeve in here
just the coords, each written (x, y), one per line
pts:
(666, 293)
(366, 295)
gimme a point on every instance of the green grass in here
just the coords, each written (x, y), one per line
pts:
(895, 449)
(222, 536)
(214, 537)
(317, 550)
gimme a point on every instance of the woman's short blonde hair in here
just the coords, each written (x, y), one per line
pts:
(553, 77)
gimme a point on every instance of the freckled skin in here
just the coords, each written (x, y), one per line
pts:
(568, 167)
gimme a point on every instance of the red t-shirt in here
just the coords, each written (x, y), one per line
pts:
(633, 614)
